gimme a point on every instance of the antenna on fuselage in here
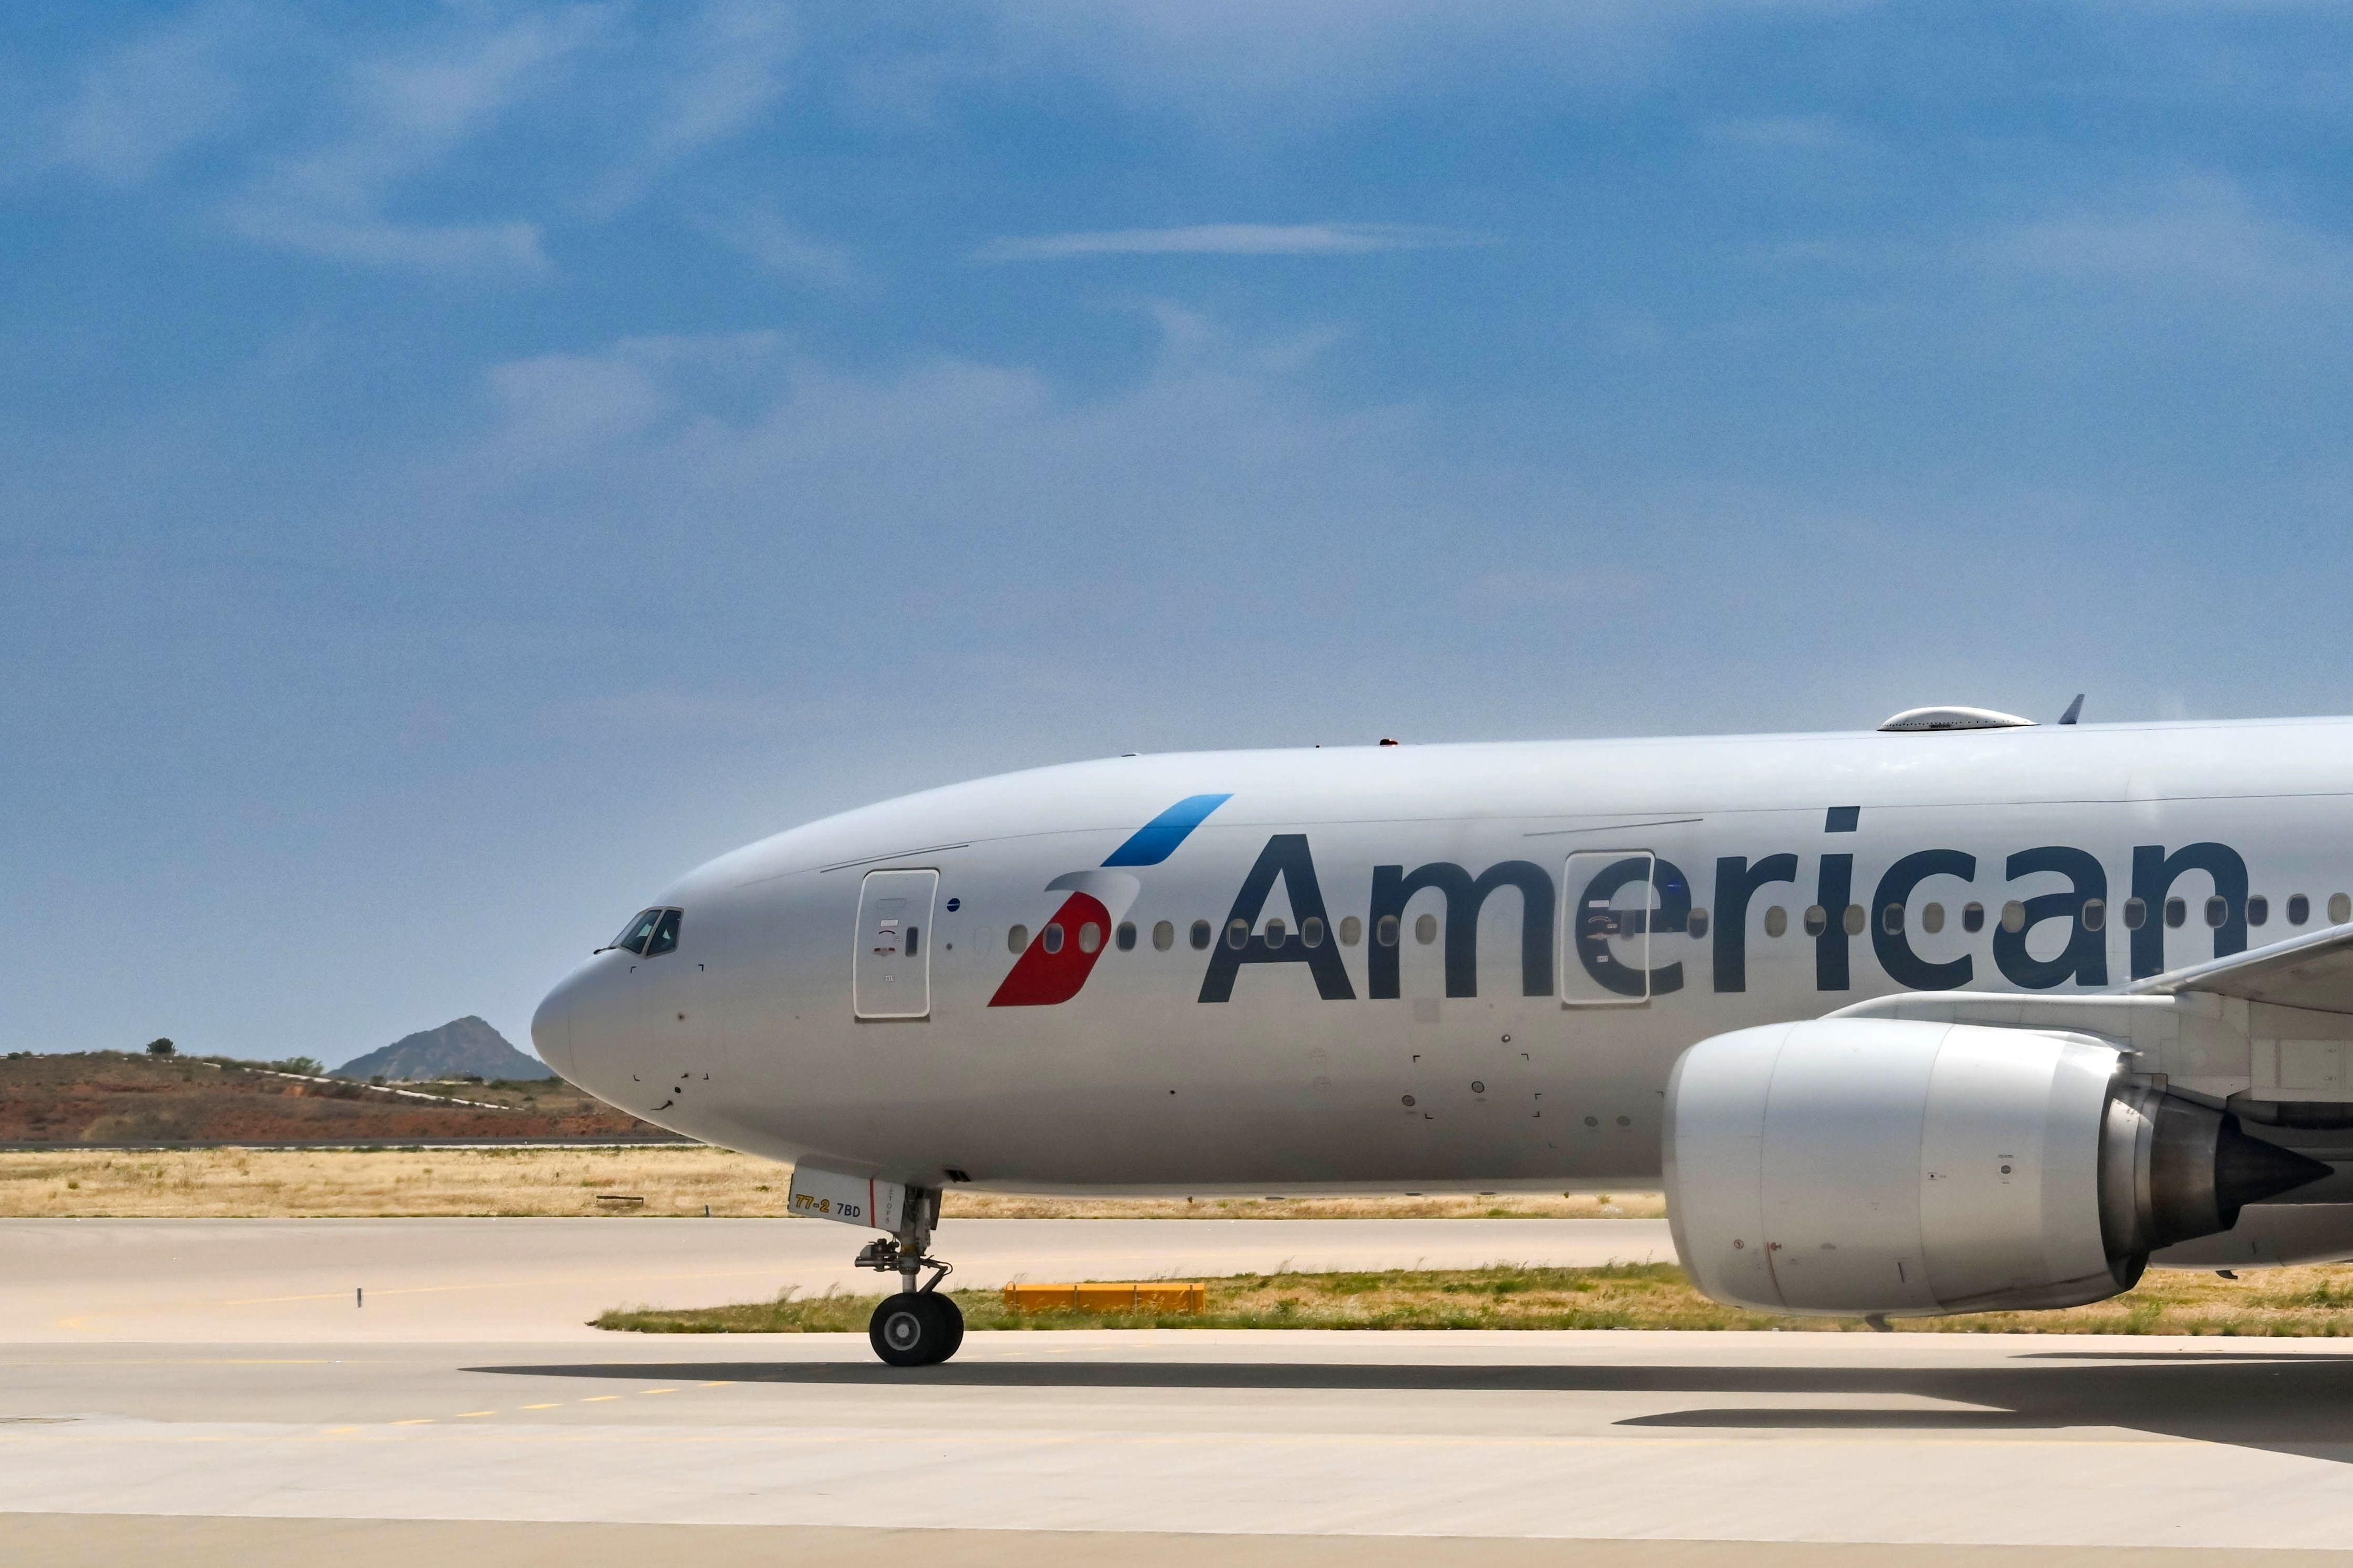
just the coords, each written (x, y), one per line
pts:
(2074, 711)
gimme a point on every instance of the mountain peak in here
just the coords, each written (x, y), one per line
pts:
(466, 1045)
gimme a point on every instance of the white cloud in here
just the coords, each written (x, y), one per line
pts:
(2201, 232)
(401, 117)
(1232, 239)
(1205, 544)
(762, 234)
(139, 106)
(566, 409)
(378, 242)
(1238, 64)
(725, 70)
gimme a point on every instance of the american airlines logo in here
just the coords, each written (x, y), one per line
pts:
(1055, 965)
(1833, 925)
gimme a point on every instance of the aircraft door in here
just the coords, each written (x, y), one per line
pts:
(891, 968)
(1604, 960)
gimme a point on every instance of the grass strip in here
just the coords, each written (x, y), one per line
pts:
(2286, 1301)
(68, 1183)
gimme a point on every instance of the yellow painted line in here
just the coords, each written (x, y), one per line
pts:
(416, 1421)
(543, 1406)
(600, 1398)
(657, 1391)
(469, 1414)
(724, 1383)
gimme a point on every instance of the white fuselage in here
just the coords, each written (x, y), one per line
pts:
(1527, 1046)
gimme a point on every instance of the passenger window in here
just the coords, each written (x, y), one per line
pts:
(1817, 920)
(1017, 940)
(1973, 918)
(1200, 935)
(1274, 934)
(1311, 931)
(1424, 929)
(1932, 918)
(1386, 932)
(2299, 908)
(1777, 921)
(1352, 931)
(1891, 919)
(2217, 910)
(1697, 924)
(2340, 909)
(2176, 914)
(665, 935)
(2136, 913)
(638, 932)
(1237, 935)
(2259, 911)
(1164, 936)
(2013, 917)
(1856, 920)
(1053, 936)
(1091, 938)
(2096, 914)
(1124, 937)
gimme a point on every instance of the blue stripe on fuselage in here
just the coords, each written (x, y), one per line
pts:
(1158, 839)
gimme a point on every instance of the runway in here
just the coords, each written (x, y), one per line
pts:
(1164, 1447)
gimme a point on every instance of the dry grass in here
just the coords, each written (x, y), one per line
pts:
(2287, 1301)
(303, 1183)
(306, 1183)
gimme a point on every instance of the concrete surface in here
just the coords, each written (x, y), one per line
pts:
(1607, 1450)
(214, 1280)
(1306, 1438)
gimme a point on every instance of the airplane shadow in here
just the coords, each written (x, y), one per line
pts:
(2295, 1403)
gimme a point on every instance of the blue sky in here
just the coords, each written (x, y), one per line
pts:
(461, 465)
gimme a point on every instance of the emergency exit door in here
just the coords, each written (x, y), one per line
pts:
(890, 969)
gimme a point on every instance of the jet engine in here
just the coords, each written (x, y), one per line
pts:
(1847, 1167)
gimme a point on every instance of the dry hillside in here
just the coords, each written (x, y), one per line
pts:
(112, 1096)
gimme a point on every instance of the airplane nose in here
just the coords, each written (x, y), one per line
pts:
(551, 1025)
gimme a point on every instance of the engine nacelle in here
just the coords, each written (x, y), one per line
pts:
(1841, 1166)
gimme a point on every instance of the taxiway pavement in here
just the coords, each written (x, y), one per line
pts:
(1156, 1448)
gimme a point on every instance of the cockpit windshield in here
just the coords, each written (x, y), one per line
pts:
(650, 933)
(665, 937)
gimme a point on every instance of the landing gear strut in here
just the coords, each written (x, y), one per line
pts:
(915, 1327)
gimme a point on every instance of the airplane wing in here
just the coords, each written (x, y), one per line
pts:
(2313, 970)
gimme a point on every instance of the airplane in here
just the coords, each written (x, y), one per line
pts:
(1963, 1013)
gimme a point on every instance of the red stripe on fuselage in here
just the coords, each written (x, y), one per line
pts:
(1041, 979)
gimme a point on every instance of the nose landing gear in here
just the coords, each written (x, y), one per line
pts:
(915, 1327)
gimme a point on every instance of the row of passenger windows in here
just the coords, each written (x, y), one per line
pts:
(1815, 919)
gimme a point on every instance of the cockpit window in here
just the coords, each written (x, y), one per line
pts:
(652, 932)
(665, 937)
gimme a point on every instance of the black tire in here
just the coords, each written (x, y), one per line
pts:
(913, 1329)
(953, 1315)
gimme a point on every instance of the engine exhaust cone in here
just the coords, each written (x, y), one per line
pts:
(2248, 1170)
(2183, 1170)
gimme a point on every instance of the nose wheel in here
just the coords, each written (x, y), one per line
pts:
(915, 1327)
